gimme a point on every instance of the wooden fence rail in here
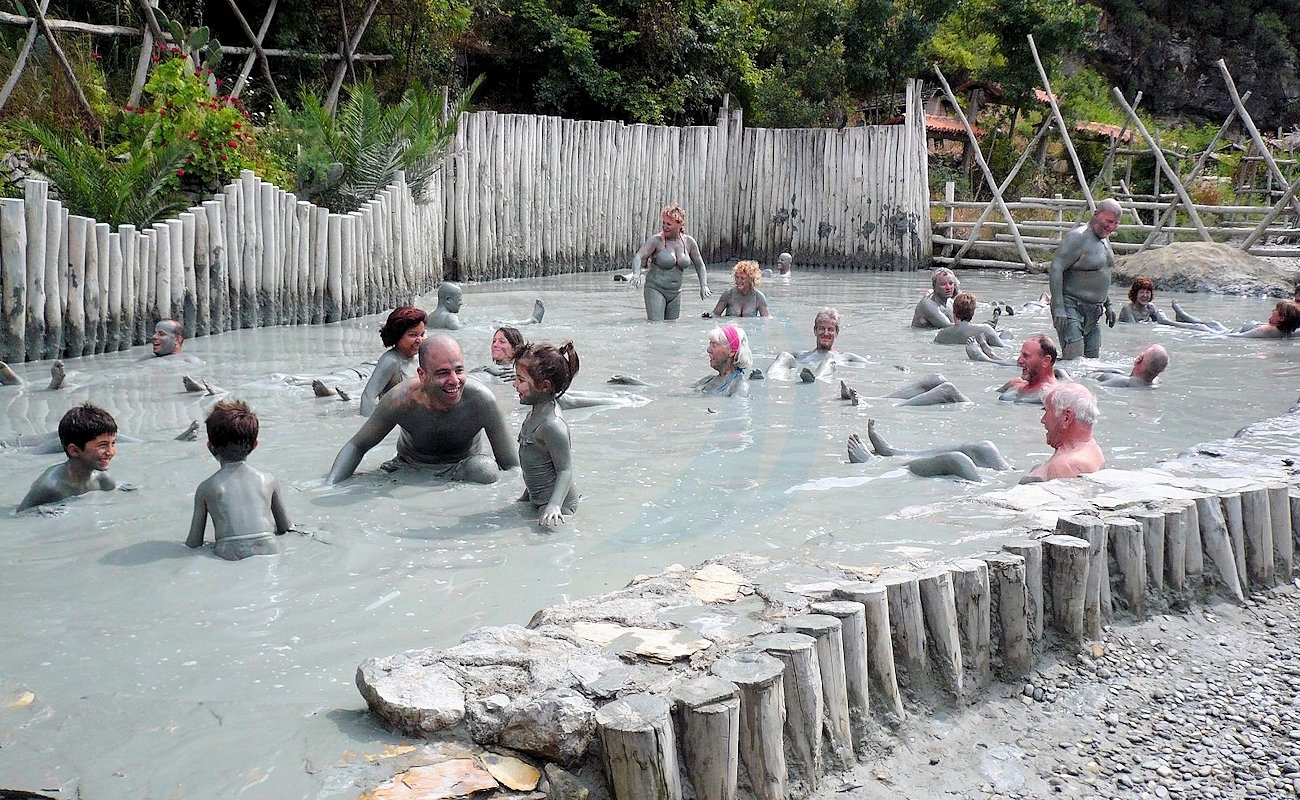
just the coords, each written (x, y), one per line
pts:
(519, 196)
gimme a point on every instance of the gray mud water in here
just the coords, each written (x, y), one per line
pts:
(131, 667)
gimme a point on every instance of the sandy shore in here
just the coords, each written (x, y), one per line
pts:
(1199, 704)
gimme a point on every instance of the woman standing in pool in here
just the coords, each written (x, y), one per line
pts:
(665, 257)
(401, 334)
(730, 356)
(543, 373)
(745, 300)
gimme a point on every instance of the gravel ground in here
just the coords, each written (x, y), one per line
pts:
(1199, 704)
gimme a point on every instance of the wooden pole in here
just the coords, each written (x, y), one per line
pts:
(1272, 215)
(1175, 552)
(1249, 124)
(189, 303)
(970, 587)
(38, 11)
(13, 279)
(1217, 544)
(217, 280)
(907, 626)
(1124, 536)
(20, 63)
(256, 51)
(710, 734)
(113, 319)
(1060, 124)
(201, 257)
(762, 751)
(75, 321)
(639, 747)
(1279, 512)
(1231, 504)
(348, 47)
(1009, 596)
(1153, 543)
(96, 268)
(1092, 530)
(805, 702)
(1259, 536)
(257, 43)
(939, 609)
(853, 627)
(880, 649)
(1032, 552)
(35, 194)
(828, 634)
(984, 167)
(1162, 163)
(1065, 564)
(56, 275)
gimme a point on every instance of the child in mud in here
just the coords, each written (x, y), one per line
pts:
(543, 373)
(245, 504)
(89, 438)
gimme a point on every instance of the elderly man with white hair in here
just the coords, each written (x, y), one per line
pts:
(1080, 283)
(1069, 412)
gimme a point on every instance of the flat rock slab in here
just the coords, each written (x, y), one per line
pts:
(457, 778)
(1206, 267)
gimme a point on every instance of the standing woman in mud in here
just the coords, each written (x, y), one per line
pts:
(543, 373)
(401, 334)
(665, 257)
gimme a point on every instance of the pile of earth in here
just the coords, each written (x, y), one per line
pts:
(1209, 267)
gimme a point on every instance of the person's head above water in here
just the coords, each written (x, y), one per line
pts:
(963, 307)
(550, 368)
(944, 283)
(747, 275)
(1142, 284)
(1037, 358)
(1152, 361)
(232, 430)
(505, 344)
(449, 296)
(400, 321)
(1106, 218)
(826, 327)
(167, 337)
(1069, 412)
(442, 371)
(1286, 317)
(83, 424)
(783, 264)
(729, 348)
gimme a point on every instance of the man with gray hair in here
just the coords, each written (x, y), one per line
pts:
(1080, 283)
(1069, 412)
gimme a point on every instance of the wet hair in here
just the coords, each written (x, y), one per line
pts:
(742, 356)
(751, 269)
(1290, 311)
(1139, 283)
(447, 289)
(232, 430)
(82, 423)
(675, 212)
(547, 363)
(401, 320)
(963, 306)
(513, 338)
(1074, 397)
(829, 314)
(1046, 346)
(944, 272)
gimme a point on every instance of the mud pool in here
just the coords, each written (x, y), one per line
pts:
(133, 667)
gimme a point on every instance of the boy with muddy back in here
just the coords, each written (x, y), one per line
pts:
(245, 504)
(89, 437)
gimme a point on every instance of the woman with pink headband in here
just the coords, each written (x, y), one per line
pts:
(730, 356)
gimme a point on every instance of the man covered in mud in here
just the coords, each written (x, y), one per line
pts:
(440, 414)
(1037, 362)
(446, 315)
(167, 340)
(818, 361)
(935, 309)
(1080, 283)
(1152, 361)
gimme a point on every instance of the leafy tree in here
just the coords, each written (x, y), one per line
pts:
(886, 39)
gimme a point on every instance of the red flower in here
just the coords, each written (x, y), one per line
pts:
(180, 173)
(232, 144)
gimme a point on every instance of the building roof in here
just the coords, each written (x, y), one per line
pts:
(940, 127)
(1100, 130)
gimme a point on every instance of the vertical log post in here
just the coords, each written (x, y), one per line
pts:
(1093, 531)
(1032, 553)
(75, 321)
(970, 588)
(1258, 524)
(804, 702)
(939, 611)
(762, 751)
(640, 750)
(1279, 513)
(1065, 565)
(1231, 504)
(907, 627)
(1153, 541)
(709, 710)
(13, 282)
(853, 635)
(1129, 583)
(880, 648)
(828, 634)
(1009, 597)
(1217, 545)
(36, 193)
(56, 276)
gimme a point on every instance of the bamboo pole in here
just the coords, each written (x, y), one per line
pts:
(1162, 163)
(1248, 123)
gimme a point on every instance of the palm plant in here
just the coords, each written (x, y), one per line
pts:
(135, 188)
(343, 161)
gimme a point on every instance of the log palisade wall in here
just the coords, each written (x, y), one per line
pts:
(519, 196)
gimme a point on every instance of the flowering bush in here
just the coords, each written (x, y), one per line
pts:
(183, 105)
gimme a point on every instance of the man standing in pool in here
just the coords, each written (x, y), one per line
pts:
(440, 415)
(1068, 415)
(1037, 362)
(1080, 283)
(665, 257)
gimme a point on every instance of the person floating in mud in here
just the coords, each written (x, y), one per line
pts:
(167, 341)
(1079, 280)
(444, 317)
(963, 311)
(543, 373)
(245, 504)
(401, 333)
(440, 416)
(1282, 323)
(89, 438)
(959, 460)
(744, 300)
(665, 257)
(1069, 412)
(818, 362)
(1152, 361)
(1037, 362)
(935, 309)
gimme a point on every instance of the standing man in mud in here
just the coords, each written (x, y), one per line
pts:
(440, 414)
(1080, 283)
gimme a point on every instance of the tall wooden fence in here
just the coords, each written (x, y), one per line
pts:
(519, 196)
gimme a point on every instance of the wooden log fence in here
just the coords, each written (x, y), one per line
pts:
(518, 196)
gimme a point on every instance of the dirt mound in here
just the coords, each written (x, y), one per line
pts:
(1209, 267)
